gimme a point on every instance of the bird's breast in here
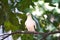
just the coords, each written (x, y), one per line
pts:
(29, 23)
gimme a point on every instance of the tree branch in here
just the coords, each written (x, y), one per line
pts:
(26, 32)
(48, 33)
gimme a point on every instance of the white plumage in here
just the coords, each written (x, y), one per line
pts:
(30, 23)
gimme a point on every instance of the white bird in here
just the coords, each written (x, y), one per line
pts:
(30, 23)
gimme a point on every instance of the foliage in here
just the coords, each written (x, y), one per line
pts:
(48, 18)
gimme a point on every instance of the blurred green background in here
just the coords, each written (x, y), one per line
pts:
(46, 12)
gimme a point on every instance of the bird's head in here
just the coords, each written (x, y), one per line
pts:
(28, 14)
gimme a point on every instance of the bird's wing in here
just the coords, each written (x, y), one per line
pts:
(35, 24)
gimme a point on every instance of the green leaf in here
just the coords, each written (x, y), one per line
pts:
(49, 1)
(13, 19)
(34, 0)
(55, 1)
(27, 37)
(23, 17)
(24, 4)
(9, 26)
